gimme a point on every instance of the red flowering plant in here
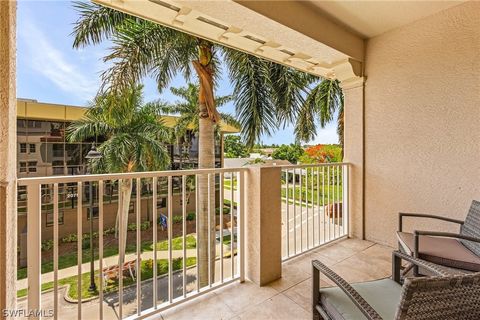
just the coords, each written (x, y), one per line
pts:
(322, 154)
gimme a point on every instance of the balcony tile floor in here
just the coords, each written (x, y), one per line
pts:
(290, 296)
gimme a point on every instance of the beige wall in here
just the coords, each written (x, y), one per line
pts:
(8, 188)
(422, 120)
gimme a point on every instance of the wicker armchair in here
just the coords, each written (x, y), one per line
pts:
(440, 297)
(459, 251)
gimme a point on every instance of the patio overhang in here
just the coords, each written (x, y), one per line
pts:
(328, 50)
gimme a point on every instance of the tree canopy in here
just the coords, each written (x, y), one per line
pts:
(234, 148)
(291, 152)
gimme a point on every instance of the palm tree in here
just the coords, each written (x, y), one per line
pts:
(266, 95)
(188, 110)
(133, 137)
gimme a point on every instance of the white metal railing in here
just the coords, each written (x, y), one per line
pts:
(164, 290)
(314, 206)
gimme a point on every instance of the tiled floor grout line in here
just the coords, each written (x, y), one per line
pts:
(295, 302)
(289, 287)
(351, 255)
(252, 306)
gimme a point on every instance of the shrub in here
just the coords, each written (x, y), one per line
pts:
(47, 245)
(226, 210)
(177, 219)
(191, 216)
(228, 203)
(69, 238)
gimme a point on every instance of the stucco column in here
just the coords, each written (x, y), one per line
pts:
(8, 141)
(263, 224)
(354, 152)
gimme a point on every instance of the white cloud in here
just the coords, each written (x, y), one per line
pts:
(47, 60)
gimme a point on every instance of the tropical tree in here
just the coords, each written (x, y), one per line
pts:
(188, 110)
(133, 140)
(291, 153)
(322, 153)
(234, 148)
(266, 95)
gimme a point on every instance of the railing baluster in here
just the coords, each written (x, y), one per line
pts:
(79, 247)
(155, 230)
(139, 252)
(55, 250)
(306, 204)
(100, 247)
(301, 210)
(209, 234)
(313, 208)
(121, 251)
(345, 201)
(232, 200)
(287, 224)
(34, 238)
(197, 231)
(323, 206)
(333, 204)
(318, 207)
(294, 211)
(241, 225)
(221, 226)
(184, 242)
(169, 231)
(328, 203)
(338, 200)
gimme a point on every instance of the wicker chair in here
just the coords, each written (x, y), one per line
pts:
(459, 251)
(444, 296)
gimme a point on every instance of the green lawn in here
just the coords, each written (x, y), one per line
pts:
(177, 243)
(70, 259)
(307, 194)
(227, 240)
(227, 184)
(112, 286)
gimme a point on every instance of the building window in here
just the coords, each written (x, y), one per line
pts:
(161, 203)
(50, 217)
(33, 148)
(23, 148)
(94, 213)
(34, 124)
(23, 167)
(57, 150)
(32, 166)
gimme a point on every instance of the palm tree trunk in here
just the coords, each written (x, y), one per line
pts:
(206, 159)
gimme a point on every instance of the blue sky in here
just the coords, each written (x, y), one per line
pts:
(50, 70)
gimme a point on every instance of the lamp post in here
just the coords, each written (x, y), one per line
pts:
(92, 154)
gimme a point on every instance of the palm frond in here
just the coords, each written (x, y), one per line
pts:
(252, 97)
(96, 23)
(288, 86)
(134, 136)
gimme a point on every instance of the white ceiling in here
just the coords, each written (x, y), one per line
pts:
(371, 18)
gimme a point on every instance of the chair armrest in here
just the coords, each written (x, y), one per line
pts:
(434, 268)
(351, 293)
(428, 216)
(418, 233)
